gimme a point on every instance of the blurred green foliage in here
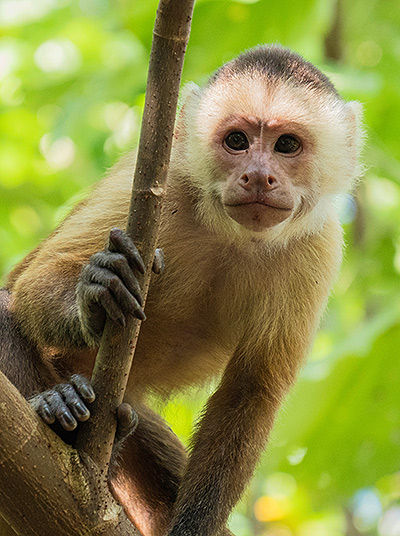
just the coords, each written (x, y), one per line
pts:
(72, 81)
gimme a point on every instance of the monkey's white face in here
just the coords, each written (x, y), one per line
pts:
(261, 162)
(268, 155)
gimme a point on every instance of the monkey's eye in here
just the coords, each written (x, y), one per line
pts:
(287, 144)
(237, 141)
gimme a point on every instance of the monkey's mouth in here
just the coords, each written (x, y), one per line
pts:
(262, 203)
(258, 215)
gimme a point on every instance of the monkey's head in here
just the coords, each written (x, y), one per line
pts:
(268, 143)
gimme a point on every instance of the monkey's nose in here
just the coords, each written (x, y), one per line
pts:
(249, 181)
(244, 182)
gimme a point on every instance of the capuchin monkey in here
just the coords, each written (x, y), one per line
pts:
(252, 244)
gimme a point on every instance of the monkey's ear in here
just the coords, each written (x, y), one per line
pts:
(189, 98)
(354, 111)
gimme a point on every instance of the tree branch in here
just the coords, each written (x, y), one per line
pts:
(334, 47)
(113, 363)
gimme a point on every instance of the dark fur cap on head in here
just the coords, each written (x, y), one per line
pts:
(278, 62)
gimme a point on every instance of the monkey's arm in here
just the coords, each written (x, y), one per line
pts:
(44, 304)
(43, 285)
(240, 414)
(227, 445)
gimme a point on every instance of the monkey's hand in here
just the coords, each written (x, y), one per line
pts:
(65, 404)
(108, 285)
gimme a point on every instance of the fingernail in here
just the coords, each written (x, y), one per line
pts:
(69, 422)
(81, 409)
(49, 418)
(88, 393)
(114, 232)
(141, 266)
(68, 418)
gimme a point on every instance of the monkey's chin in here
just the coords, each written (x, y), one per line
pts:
(257, 217)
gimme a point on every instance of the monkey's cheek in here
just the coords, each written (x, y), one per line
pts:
(256, 217)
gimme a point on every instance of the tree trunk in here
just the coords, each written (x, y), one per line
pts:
(47, 489)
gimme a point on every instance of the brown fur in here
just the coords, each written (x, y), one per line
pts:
(230, 301)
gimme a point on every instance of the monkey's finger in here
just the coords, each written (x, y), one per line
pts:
(44, 412)
(101, 295)
(60, 410)
(83, 386)
(128, 303)
(122, 297)
(121, 243)
(127, 420)
(41, 407)
(158, 263)
(73, 401)
(117, 264)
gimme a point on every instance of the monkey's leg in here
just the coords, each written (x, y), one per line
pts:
(146, 465)
(148, 459)
(147, 474)
(21, 363)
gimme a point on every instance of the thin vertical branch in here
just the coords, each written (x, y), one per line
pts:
(113, 363)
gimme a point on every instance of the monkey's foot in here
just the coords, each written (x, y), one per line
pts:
(64, 402)
(128, 420)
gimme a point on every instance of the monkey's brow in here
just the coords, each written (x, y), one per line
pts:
(286, 124)
(251, 120)
(278, 122)
(269, 122)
